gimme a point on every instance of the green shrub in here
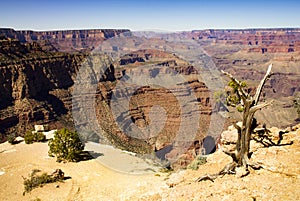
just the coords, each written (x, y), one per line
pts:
(199, 160)
(11, 138)
(31, 137)
(40, 137)
(220, 100)
(166, 170)
(296, 102)
(233, 98)
(40, 180)
(240, 108)
(66, 146)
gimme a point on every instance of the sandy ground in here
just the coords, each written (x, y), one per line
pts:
(91, 180)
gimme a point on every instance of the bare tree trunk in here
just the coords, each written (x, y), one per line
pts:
(243, 151)
(250, 105)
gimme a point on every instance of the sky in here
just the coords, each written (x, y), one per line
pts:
(163, 15)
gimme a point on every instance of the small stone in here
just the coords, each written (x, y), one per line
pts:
(241, 172)
(176, 179)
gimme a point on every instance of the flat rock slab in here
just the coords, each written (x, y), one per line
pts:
(119, 160)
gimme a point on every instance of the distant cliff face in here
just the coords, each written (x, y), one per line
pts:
(280, 40)
(66, 41)
(258, 40)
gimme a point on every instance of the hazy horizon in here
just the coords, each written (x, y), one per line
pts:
(149, 15)
(149, 30)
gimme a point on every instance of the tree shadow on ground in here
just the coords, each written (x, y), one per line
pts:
(89, 155)
(17, 142)
(67, 178)
(263, 136)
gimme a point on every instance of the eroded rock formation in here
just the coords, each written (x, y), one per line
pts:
(37, 86)
(66, 41)
(257, 40)
(34, 84)
(38, 71)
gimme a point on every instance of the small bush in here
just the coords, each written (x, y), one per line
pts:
(31, 137)
(296, 102)
(166, 170)
(199, 160)
(40, 137)
(11, 138)
(66, 146)
(35, 180)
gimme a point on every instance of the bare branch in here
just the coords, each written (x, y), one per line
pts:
(261, 84)
(228, 169)
(230, 103)
(237, 126)
(260, 106)
(207, 177)
(255, 166)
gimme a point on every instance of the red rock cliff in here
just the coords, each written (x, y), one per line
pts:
(68, 40)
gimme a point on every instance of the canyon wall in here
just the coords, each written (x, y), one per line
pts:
(37, 86)
(258, 40)
(66, 41)
(34, 85)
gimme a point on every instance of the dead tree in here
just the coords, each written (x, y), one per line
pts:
(249, 106)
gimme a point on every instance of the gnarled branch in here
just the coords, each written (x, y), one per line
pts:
(260, 106)
(231, 154)
(237, 127)
(261, 84)
(228, 169)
